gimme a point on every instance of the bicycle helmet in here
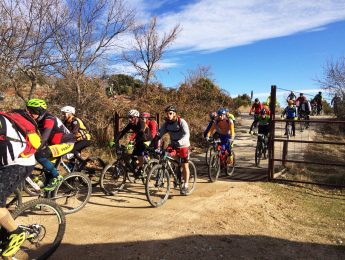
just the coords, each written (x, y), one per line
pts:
(263, 111)
(36, 106)
(145, 115)
(256, 100)
(213, 115)
(133, 113)
(170, 108)
(221, 111)
(68, 109)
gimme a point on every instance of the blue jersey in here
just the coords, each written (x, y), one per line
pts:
(290, 112)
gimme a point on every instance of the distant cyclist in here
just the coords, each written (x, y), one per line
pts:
(291, 96)
(256, 108)
(318, 99)
(291, 114)
(77, 127)
(56, 140)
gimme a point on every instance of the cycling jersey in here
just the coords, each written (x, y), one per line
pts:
(300, 100)
(178, 131)
(290, 112)
(256, 107)
(77, 127)
(223, 127)
(53, 131)
(142, 131)
(152, 125)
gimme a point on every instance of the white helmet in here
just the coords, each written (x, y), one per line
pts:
(68, 109)
(133, 113)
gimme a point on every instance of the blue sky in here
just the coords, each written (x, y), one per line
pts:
(250, 44)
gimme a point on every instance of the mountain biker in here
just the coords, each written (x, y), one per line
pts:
(304, 109)
(178, 130)
(142, 135)
(291, 96)
(318, 98)
(77, 127)
(212, 116)
(256, 107)
(226, 130)
(56, 140)
(300, 100)
(264, 123)
(291, 114)
(17, 161)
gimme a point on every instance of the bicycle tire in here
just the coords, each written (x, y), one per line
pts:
(158, 180)
(231, 168)
(73, 184)
(93, 171)
(208, 154)
(258, 153)
(40, 209)
(14, 200)
(113, 178)
(214, 168)
(193, 176)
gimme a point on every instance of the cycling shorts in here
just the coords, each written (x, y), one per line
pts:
(10, 178)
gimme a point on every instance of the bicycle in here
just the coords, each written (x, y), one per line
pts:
(304, 117)
(115, 174)
(72, 193)
(44, 223)
(219, 161)
(261, 148)
(157, 188)
(14, 200)
(289, 132)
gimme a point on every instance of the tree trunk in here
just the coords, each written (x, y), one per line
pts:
(33, 86)
(78, 91)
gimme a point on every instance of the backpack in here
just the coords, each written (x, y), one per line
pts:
(24, 125)
(178, 124)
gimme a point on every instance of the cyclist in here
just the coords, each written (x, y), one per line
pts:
(56, 140)
(300, 100)
(256, 108)
(304, 109)
(213, 116)
(17, 160)
(318, 98)
(77, 127)
(224, 126)
(291, 96)
(142, 135)
(264, 124)
(178, 130)
(291, 113)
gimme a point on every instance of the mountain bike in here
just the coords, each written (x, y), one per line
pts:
(72, 193)
(44, 224)
(261, 148)
(115, 174)
(158, 183)
(304, 117)
(14, 200)
(219, 161)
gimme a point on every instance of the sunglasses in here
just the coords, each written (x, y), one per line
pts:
(170, 113)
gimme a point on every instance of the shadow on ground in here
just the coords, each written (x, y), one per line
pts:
(204, 247)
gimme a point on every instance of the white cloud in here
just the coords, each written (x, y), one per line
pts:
(210, 25)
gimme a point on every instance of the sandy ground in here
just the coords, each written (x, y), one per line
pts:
(233, 218)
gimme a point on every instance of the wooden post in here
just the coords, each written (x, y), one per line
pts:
(272, 107)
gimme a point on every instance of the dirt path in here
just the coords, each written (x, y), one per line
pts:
(222, 220)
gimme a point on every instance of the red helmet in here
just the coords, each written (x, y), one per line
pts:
(145, 114)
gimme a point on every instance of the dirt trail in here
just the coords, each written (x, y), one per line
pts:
(227, 219)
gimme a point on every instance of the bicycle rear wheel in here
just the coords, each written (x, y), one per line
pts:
(157, 186)
(93, 167)
(258, 153)
(45, 224)
(214, 168)
(230, 167)
(113, 178)
(73, 192)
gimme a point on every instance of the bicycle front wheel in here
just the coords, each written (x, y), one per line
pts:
(258, 154)
(192, 177)
(44, 223)
(230, 166)
(113, 178)
(157, 186)
(73, 192)
(214, 168)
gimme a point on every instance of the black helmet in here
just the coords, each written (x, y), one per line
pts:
(301, 94)
(170, 108)
(256, 100)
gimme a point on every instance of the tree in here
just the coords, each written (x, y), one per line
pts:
(148, 49)
(333, 81)
(25, 34)
(201, 72)
(92, 30)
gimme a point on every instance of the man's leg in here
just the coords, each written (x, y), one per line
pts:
(184, 155)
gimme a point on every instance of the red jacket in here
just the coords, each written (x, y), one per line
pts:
(152, 124)
(256, 107)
